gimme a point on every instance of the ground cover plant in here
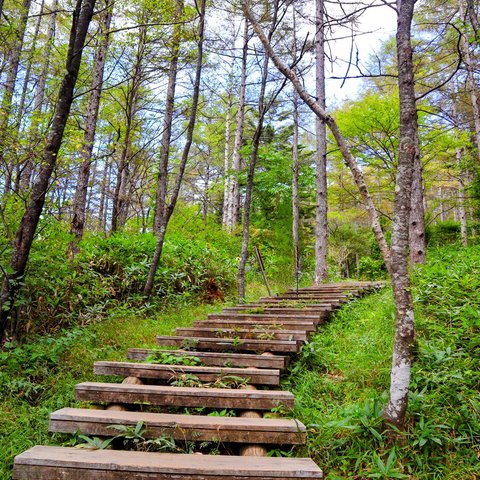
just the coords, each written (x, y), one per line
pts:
(342, 377)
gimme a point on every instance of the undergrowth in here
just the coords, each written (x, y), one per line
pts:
(341, 380)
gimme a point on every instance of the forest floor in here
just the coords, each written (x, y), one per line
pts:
(340, 379)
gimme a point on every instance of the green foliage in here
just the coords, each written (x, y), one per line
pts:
(164, 358)
(110, 272)
(341, 380)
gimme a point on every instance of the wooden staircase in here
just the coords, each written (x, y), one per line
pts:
(234, 359)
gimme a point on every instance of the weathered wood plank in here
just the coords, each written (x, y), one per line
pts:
(256, 332)
(61, 463)
(272, 323)
(255, 376)
(197, 428)
(218, 359)
(183, 396)
(246, 345)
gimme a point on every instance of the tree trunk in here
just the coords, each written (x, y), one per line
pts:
(418, 244)
(39, 99)
(471, 84)
(161, 194)
(168, 210)
(28, 225)
(9, 89)
(233, 216)
(120, 198)
(226, 164)
(332, 125)
(262, 110)
(295, 194)
(79, 201)
(394, 413)
(462, 200)
(321, 230)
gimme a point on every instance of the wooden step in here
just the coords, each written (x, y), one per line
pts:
(242, 399)
(274, 311)
(223, 344)
(298, 303)
(253, 333)
(218, 359)
(62, 463)
(254, 376)
(198, 428)
(255, 324)
(259, 317)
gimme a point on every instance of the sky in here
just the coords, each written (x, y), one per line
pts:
(381, 23)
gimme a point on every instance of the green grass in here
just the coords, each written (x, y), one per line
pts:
(38, 378)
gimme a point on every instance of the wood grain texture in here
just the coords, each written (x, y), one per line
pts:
(172, 372)
(201, 343)
(253, 333)
(197, 428)
(218, 359)
(183, 396)
(60, 463)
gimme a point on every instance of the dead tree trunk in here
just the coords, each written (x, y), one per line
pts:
(394, 413)
(321, 230)
(169, 209)
(26, 231)
(79, 201)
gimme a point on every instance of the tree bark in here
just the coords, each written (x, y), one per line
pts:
(120, 198)
(26, 231)
(39, 99)
(462, 200)
(332, 125)
(161, 195)
(168, 210)
(9, 89)
(233, 216)
(262, 110)
(394, 413)
(321, 229)
(295, 194)
(79, 201)
(227, 165)
(418, 243)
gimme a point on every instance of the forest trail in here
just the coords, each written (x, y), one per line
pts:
(229, 362)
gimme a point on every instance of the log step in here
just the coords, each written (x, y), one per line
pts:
(260, 333)
(218, 359)
(299, 316)
(223, 344)
(183, 396)
(61, 463)
(198, 428)
(254, 376)
(273, 323)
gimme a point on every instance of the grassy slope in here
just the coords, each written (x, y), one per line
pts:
(340, 380)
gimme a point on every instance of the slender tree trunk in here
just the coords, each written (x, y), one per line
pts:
(39, 99)
(78, 220)
(418, 244)
(262, 110)
(471, 83)
(226, 164)
(9, 89)
(26, 79)
(332, 125)
(234, 206)
(162, 183)
(462, 200)
(321, 230)
(120, 198)
(295, 193)
(26, 231)
(394, 413)
(168, 210)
